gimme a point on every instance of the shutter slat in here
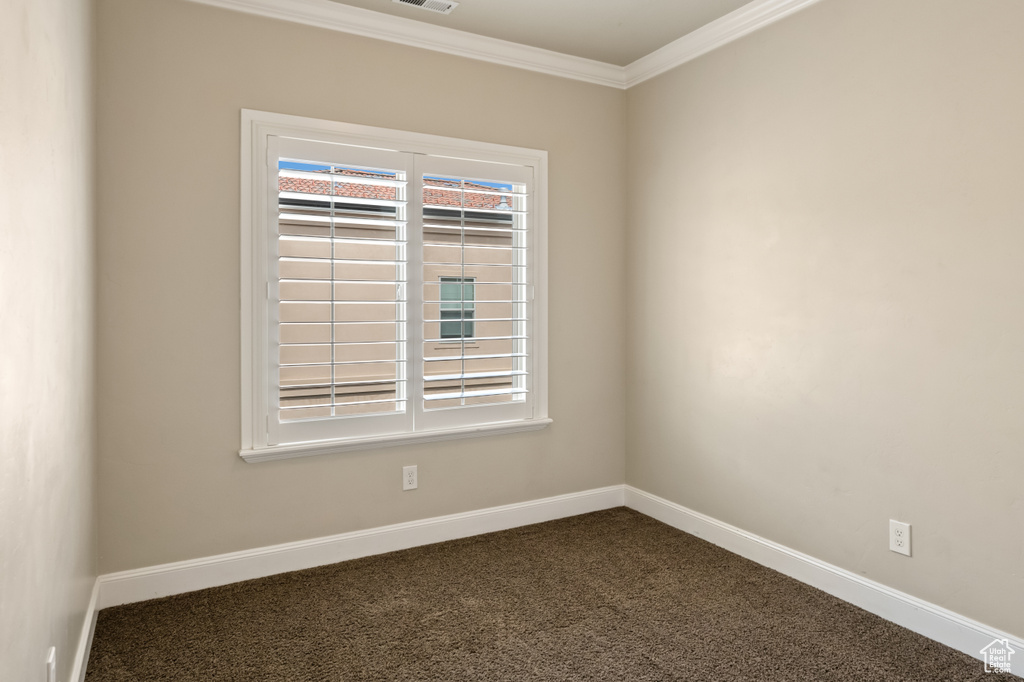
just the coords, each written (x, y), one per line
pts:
(327, 220)
(361, 402)
(348, 362)
(474, 375)
(491, 356)
(476, 394)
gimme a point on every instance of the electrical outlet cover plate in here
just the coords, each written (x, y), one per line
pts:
(899, 537)
(409, 478)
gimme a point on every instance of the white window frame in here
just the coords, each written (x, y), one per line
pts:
(257, 130)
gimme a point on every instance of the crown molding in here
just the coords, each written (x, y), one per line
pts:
(732, 26)
(363, 22)
(336, 16)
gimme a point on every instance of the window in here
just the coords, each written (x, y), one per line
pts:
(393, 287)
(457, 307)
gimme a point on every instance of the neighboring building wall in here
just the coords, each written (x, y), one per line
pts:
(826, 229)
(172, 78)
(47, 530)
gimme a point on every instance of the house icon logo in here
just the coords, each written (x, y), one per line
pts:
(997, 656)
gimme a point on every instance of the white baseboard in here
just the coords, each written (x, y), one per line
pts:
(197, 574)
(934, 622)
(85, 638)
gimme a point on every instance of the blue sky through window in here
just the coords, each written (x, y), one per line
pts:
(284, 164)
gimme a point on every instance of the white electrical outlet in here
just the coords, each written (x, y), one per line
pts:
(409, 477)
(899, 537)
(51, 664)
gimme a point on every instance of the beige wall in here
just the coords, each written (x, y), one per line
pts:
(825, 277)
(172, 79)
(47, 536)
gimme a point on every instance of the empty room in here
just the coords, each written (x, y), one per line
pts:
(511, 340)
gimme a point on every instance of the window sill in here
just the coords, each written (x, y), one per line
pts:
(272, 452)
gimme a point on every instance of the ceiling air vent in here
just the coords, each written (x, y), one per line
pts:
(441, 6)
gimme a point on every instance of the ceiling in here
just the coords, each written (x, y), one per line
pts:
(611, 31)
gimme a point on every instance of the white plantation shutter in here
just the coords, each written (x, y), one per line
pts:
(475, 246)
(340, 277)
(400, 292)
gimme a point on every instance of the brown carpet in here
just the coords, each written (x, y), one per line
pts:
(612, 595)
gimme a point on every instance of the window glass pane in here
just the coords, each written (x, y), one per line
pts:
(456, 307)
(342, 313)
(474, 292)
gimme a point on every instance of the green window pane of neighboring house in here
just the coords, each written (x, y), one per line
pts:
(457, 307)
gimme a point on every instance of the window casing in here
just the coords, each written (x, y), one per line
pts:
(393, 287)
